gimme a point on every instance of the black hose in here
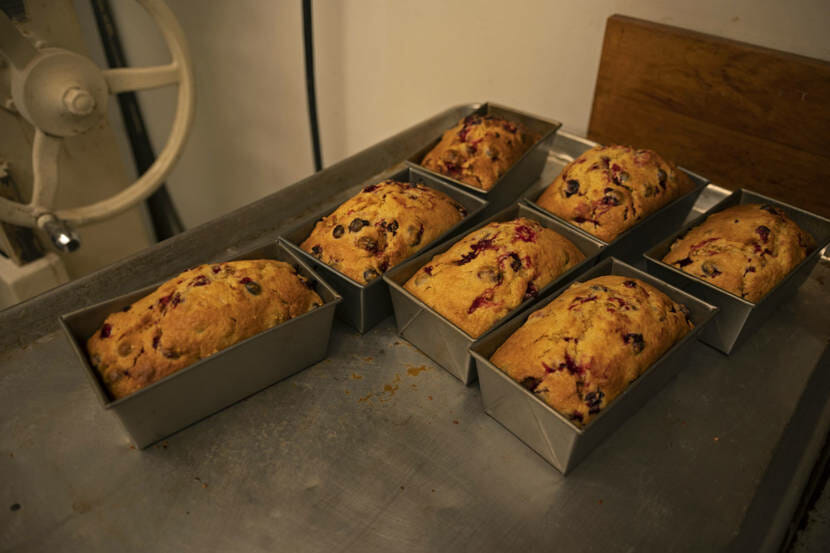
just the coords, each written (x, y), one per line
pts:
(165, 219)
(308, 42)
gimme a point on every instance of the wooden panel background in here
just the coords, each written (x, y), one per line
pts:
(742, 115)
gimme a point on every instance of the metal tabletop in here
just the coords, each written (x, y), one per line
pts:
(377, 449)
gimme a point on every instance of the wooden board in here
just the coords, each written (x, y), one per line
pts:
(742, 115)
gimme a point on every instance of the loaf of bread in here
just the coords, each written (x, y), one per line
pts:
(746, 249)
(192, 316)
(609, 189)
(479, 150)
(585, 347)
(380, 227)
(482, 277)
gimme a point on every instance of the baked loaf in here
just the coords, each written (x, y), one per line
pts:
(479, 150)
(746, 249)
(609, 189)
(380, 227)
(192, 316)
(585, 347)
(481, 278)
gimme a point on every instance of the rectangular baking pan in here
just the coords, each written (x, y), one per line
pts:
(443, 341)
(365, 305)
(558, 440)
(633, 242)
(738, 317)
(507, 189)
(215, 382)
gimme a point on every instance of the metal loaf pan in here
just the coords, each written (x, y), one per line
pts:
(365, 305)
(558, 440)
(444, 342)
(740, 318)
(507, 189)
(633, 242)
(215, 382)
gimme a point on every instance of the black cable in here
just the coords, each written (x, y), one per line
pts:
(308, 43)
(15, 9)
(163, 214)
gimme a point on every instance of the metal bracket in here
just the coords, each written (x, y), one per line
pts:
(17, 243)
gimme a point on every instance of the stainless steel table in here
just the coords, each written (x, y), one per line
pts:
(377, 449)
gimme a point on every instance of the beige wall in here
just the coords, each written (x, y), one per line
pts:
(384, 65)
(403, 61)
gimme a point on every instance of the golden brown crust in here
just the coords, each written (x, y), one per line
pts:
(481, 278)
(192, 316)
(380, 227)
(585, 347)
(609, 189)
(479, 150)
(746, 249)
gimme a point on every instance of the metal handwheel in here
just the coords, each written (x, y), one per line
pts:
(64, 94)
